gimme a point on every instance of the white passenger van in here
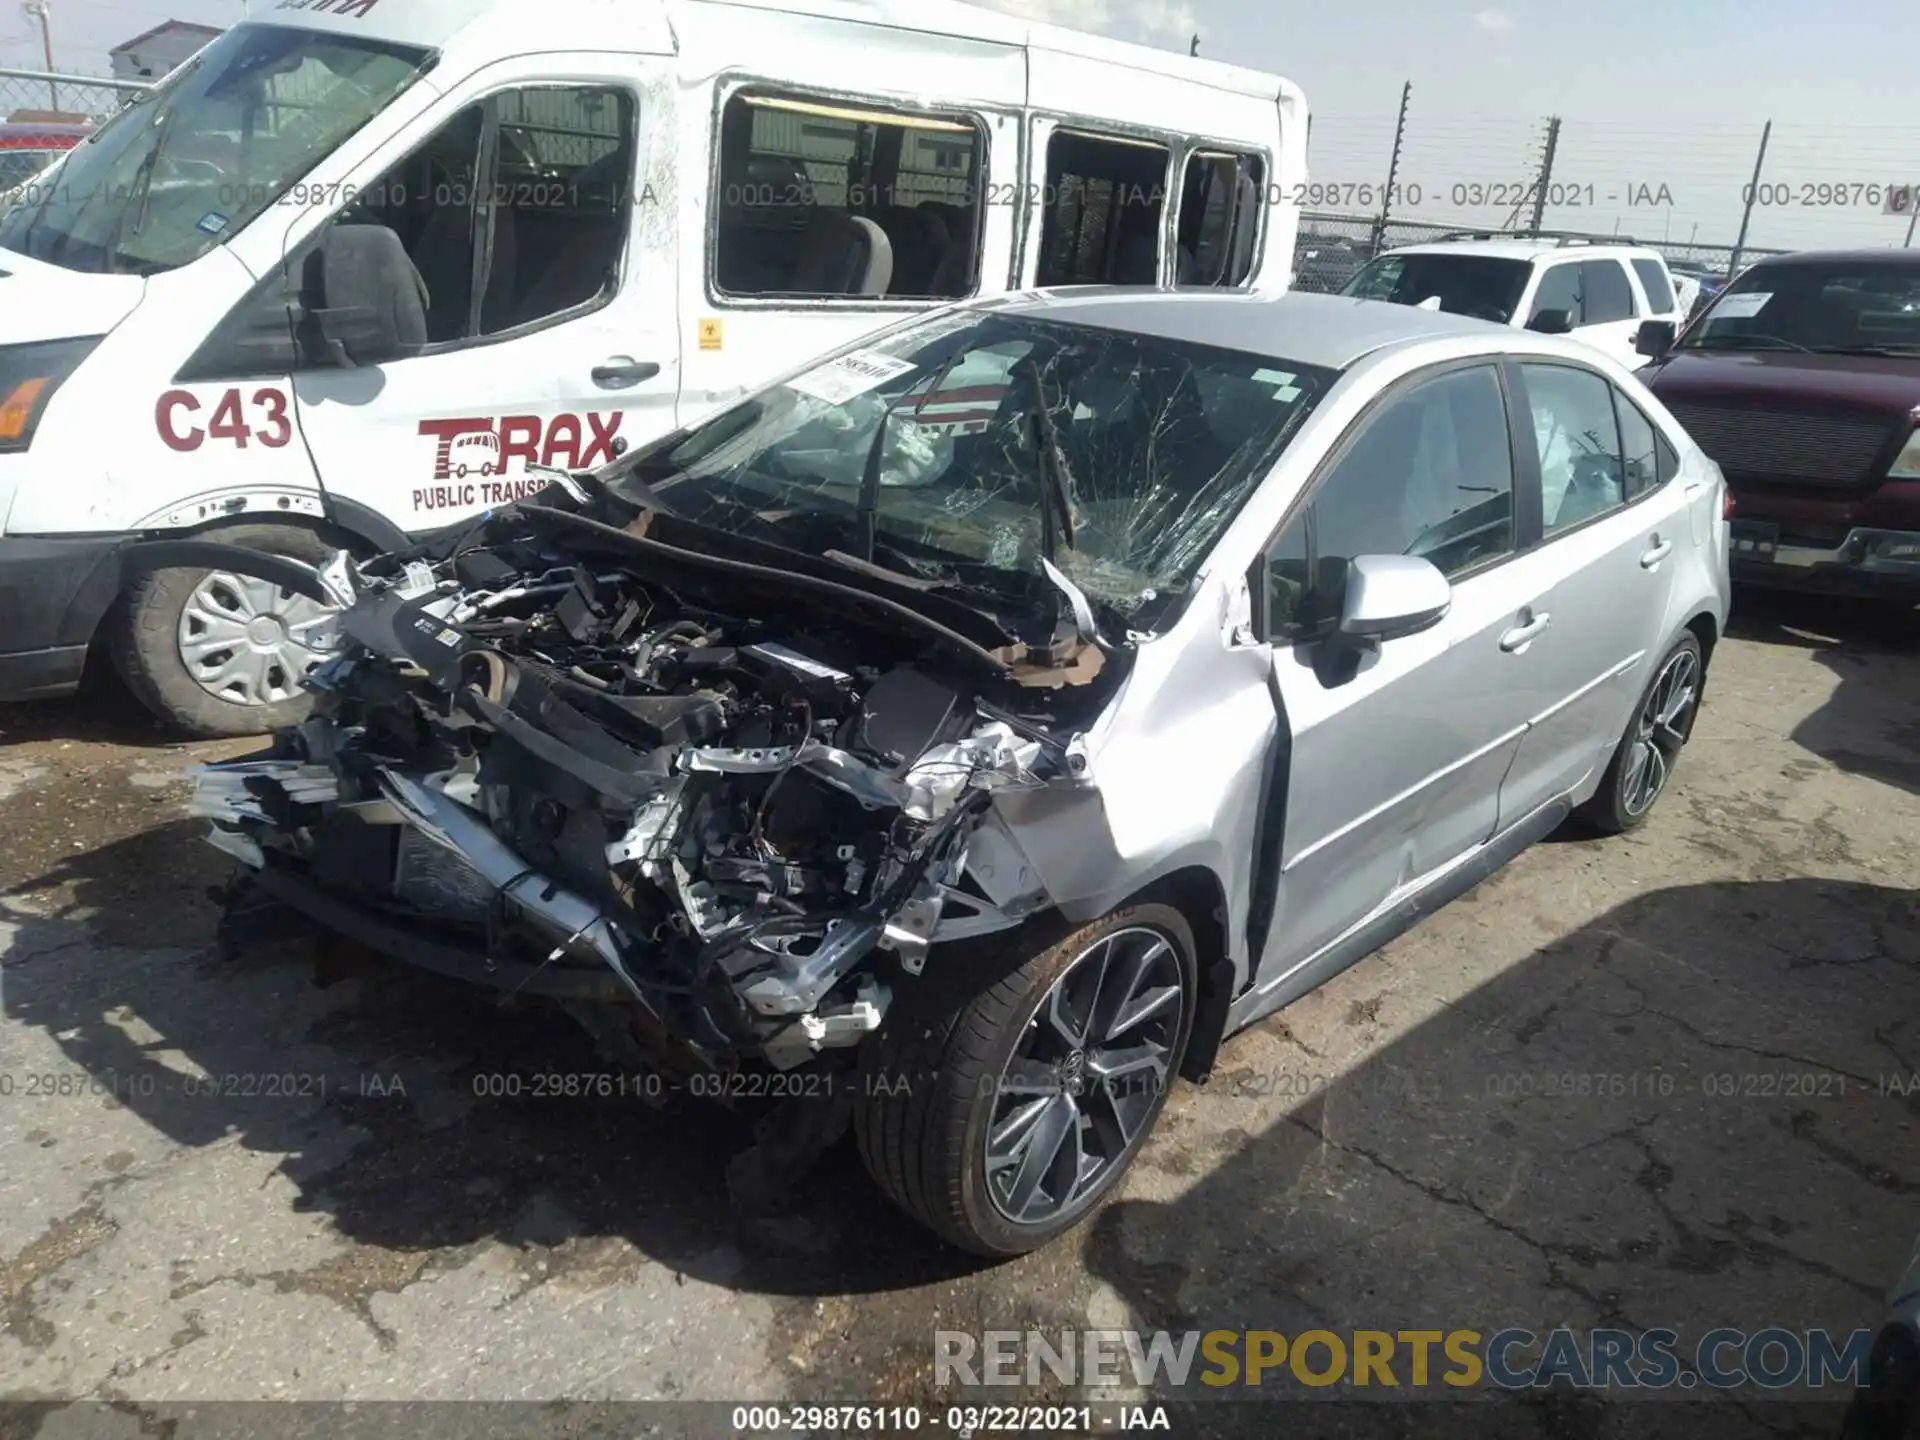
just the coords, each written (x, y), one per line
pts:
(351, 271)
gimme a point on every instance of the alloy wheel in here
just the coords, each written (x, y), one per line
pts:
(1660, 732)
(1086, 1077)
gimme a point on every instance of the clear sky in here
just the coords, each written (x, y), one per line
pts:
(1652, 94)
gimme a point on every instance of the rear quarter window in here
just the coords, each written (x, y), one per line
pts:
(1653, 280)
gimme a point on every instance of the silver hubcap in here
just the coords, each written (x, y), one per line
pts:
(1086, 1077)
(248, 642)
(1660, 732)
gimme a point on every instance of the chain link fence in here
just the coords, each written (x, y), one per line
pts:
(30, 97)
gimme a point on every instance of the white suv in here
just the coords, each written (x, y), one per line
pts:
(1600, 293)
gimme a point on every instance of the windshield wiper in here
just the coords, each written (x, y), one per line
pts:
(1056, 480)
(1895, 349)
(1742, 342)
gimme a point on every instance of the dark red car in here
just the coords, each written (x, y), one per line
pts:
(28, 147)
(1803, 382)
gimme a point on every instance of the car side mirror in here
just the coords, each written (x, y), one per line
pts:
(1389, 597)
(363, 302)
(1655, 338)
(1552, 322)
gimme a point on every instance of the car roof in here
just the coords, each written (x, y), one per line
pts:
(1525, 249)
(1331, 331)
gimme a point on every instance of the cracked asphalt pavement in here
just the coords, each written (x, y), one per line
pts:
(1651, 1081)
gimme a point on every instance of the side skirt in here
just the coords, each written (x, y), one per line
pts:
(1370, 934)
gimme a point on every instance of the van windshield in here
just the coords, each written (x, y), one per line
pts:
(1486, 287)
(190, 164)
(1845, 307)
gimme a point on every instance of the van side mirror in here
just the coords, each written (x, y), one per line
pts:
(1655, 338)
(1552, 322)
(1389, 597)
(363, 302)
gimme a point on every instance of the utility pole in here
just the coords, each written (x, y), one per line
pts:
(1194, 48)
(1908, 244)
(1546, 172)
(1746, 216)
(1393, 172)
(37, 10)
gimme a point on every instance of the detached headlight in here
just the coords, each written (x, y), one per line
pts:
(1907, 465)
(29, 376)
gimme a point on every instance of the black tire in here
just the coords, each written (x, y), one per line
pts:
(143, 641)
(1610, 811)
(931, 1080)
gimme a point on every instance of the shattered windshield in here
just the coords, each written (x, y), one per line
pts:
(191, 164)
(1155, 443)
(1485, 287)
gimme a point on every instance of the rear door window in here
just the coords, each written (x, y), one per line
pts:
(1605, 291)
(1653, 280)
(1559, 290)
(1578, 441)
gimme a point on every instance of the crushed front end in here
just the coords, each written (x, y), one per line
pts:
(718, 812)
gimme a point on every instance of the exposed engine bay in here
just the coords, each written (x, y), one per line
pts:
(720, 804)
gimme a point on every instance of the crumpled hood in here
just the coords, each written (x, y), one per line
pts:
(44, 302)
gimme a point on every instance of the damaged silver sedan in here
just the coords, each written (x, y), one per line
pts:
(973, 729)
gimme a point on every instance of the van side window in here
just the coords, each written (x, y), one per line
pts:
(1106, 199)
(1219, 218)
(515, 211)
(822, 199)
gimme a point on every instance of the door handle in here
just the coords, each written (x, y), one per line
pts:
(1661, 548)
(622, 371)
(1522, 635)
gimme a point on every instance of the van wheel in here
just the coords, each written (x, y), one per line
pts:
(1649, 751)
(1000, 1118)
(218, 654)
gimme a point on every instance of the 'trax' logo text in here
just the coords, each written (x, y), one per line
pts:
(486, 448)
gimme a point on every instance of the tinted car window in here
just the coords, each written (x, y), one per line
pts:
(1666, 461)
(1559, 290)
(1431, 474)
(1638, 443)
(1483, 286)
(1578, 441)
(1606, 291)
(1653, 280)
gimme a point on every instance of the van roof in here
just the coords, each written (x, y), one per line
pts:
(592, 24)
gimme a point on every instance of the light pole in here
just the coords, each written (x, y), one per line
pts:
(38, 10)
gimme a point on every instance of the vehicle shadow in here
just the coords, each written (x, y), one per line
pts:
(102, 713)
(379, 1088)
(1871, 725)
(1677, 1116)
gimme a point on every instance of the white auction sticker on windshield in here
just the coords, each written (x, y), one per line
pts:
(1743, 306)
(854, 374)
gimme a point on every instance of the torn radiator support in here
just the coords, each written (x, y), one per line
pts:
(751, 808)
